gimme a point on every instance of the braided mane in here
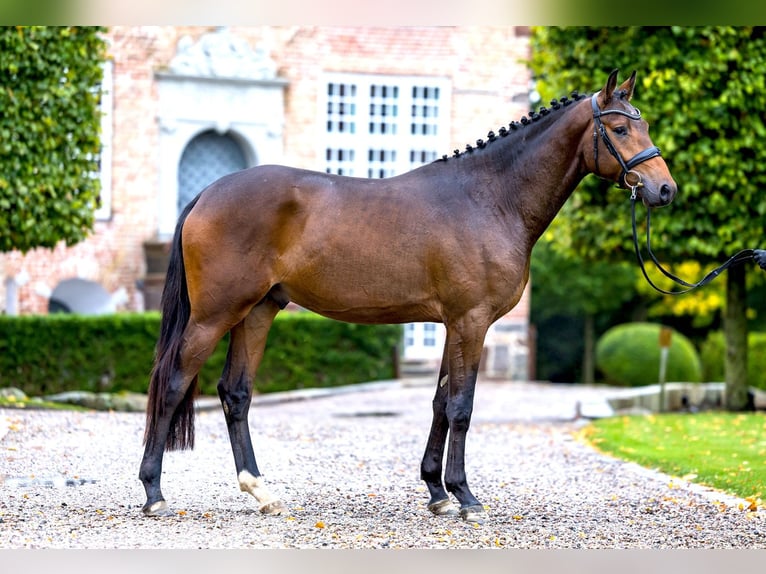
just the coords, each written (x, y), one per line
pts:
(514, 126)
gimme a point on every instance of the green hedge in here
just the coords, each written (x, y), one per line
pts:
(48, 354)
(629, 355)
(713, 351)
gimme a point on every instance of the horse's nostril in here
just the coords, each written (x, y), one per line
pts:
(665, 193)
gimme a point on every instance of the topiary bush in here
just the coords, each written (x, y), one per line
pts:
(629, 355)
(713, 351)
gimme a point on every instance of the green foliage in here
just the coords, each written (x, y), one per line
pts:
(566, 289)
(713, 350)
(111, 353)
(49, 134)
(305, 350)
(564, 283)
(703, 90)
(629, 355)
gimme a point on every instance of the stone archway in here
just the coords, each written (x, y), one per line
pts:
(219, 100)
(207, 157)
(221, 85)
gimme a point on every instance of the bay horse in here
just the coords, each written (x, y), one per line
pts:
(447, 242)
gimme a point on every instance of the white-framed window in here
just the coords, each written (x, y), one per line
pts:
(104, 210)
(429, 334)
(379, 126)
(423, 341)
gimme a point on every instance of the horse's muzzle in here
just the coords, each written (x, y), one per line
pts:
(658, 197)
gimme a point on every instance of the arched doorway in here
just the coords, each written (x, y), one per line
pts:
(206, 158)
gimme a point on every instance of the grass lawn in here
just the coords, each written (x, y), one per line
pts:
(724, 450)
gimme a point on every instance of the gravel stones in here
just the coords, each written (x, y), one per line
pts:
(347, 467)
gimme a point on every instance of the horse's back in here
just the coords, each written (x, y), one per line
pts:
(350, 248)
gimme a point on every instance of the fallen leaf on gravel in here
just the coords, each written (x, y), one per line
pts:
(319, 524)
(750, 505)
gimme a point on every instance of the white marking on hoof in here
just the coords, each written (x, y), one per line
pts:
(444, 380)
(474, 514)
(158, 508)
(443, 508)
(256, 486)
(273, 508)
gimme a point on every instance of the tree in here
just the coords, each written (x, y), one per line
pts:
(564, 286)
(49, 134)
(703, 89)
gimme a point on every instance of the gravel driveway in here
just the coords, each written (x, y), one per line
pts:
(347, 466)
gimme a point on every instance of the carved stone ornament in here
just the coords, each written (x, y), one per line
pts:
(221, 54)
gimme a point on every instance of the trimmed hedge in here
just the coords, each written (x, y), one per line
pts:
(713, 351)
(48, 354)
(629, 355)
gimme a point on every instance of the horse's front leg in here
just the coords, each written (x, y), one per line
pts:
(466, 340)
(433, 459)
(246, 348)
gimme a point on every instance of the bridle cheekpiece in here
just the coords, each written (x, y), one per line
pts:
(627, 166)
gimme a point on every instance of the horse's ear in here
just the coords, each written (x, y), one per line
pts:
(628, 86)
(608, 90)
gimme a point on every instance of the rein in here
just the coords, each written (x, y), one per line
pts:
(758, 255)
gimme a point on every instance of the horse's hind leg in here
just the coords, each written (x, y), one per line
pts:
(177, 395)
(248, 340)
(433, 459)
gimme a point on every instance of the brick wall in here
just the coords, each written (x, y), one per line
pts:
(489, 90)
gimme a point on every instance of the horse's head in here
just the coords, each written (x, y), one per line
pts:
(622, 150)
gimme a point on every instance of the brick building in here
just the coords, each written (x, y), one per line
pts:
(185, 105)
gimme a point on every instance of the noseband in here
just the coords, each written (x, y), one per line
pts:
(627, 166)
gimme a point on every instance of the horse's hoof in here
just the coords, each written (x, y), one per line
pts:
(473, 514)
(443, 508)
(275, 507)
(159, 508)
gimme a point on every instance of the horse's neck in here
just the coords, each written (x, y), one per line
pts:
(543, 169)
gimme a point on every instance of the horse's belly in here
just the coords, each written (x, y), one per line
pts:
(364, 296)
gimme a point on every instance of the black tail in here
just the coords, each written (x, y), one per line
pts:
(175, 315)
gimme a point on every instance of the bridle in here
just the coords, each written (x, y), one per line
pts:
(627, 166)
(759, 255)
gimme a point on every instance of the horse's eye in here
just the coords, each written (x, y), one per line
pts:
(621, 130)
